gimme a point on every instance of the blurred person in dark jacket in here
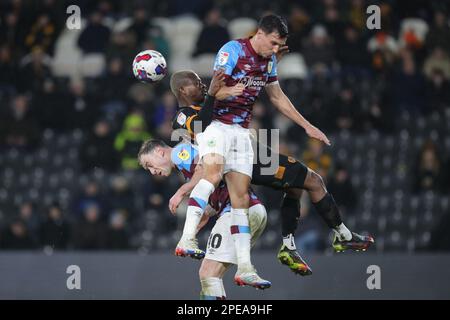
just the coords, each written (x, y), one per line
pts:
(90, 232)
(342, 189)
(90, 196)
(95, 37)
(16, 237)
(18, 127)
(429, 172)
(31, 218)
(213, 35)
(121, 196)
(97, 151)
(55, 231)
(117, 235)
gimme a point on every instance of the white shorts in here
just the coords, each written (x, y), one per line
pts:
(220, 245)
(231, 141)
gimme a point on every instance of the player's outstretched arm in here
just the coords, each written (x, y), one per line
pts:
(285, 106)
(185, 189)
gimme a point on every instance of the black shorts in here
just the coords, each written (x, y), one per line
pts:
(290, 173)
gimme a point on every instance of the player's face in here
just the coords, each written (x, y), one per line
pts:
(270, 43)
(196, 91)
(156, 163)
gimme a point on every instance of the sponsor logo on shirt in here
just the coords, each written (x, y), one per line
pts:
(183, 154)
(223, 58)
(253, 82)
(181, 119)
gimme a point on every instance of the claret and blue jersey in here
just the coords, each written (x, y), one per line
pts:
(185, 157)
(242, 64)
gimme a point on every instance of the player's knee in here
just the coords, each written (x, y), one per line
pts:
(314, 181)
(207, 270)
(240, 200)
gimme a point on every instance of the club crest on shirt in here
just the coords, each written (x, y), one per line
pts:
(181, 119)
(183, 154)
(269, 66)
(223, 57)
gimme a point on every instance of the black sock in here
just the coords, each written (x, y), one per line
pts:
(329, 211)
(290, 214)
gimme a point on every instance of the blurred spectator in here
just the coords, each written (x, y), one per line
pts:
(90, 232)
(318, 48)
(8, 70)
(437, 60)
(97, 151)
(438, 36)
(157, 192)
(429, 172)
(117, 235)
(357, 14)
(351, 53)
(94, 38)
(34, 70)
(129, 140)
(90, 196)
(83, 109)
(311, 232)
(440, 237)
(165, 109)
(409, 86)
(213, 35)
(16, 237)
(18, 127)
(345, 111)
(115, 83)
(121, 196)
(340, 186)
(31, 219)
(55, 231)
(122, 45)
(42, 34)
(299, 24)
(141, 25)
(317, 159)
(383, 49)
(438, 92)
(156, 40)
(51, 107)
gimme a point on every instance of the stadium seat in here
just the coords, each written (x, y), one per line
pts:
(241, 27)
(292, 66)
(203, 64)
(92, 65)
(183, 34)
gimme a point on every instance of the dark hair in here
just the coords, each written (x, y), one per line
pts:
(273, 23)
(149, 145)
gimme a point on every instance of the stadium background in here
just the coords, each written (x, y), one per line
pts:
(72, 118)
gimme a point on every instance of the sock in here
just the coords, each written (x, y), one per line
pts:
(212, 289)
(329, 211)
(240, 232)
(198, 200)
(343, 232)
(290, 215)
(289, 242)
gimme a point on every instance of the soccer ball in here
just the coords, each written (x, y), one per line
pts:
(149, 66)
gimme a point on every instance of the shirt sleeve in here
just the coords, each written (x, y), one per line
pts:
(184, 156)
(227, 57)
(183, 119)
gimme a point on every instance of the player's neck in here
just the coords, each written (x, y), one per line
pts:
(254, 44)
